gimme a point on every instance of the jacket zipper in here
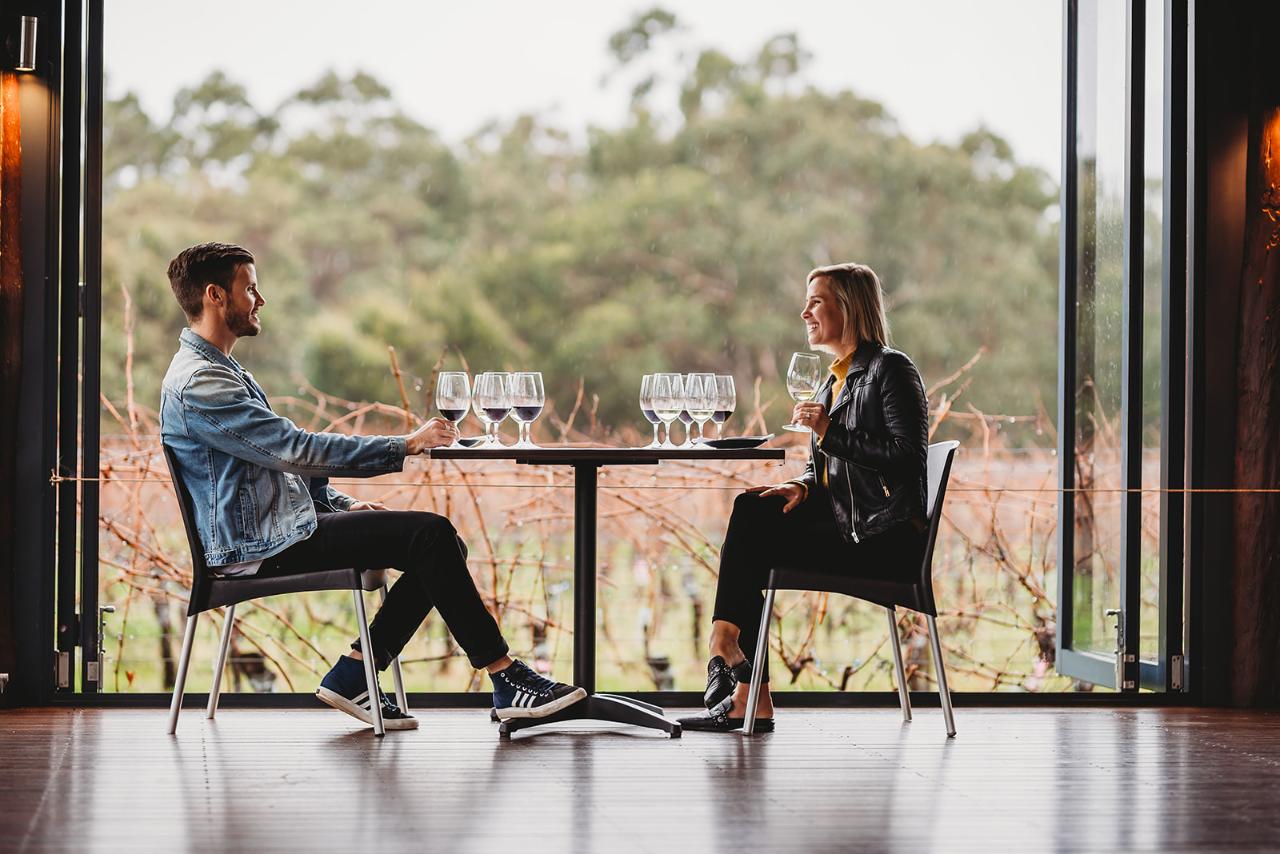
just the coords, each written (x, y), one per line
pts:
(884, 485)
(853, 528)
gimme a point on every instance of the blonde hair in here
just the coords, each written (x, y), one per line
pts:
(861, 300)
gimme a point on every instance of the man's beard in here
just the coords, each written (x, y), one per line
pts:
(242, 325)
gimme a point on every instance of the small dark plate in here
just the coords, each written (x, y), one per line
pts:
(737, 442)
(470, 441)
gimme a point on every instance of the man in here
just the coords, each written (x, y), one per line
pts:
(263, 502)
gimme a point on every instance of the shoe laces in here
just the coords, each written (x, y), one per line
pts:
(521, 675)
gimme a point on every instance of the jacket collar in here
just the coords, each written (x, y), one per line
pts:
(191, 339)
(858, 365)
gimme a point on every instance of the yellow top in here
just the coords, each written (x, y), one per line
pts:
(840, 370)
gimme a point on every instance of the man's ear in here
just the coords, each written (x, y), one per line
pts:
(214, 294)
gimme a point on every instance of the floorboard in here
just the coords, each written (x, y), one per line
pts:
(1013, 779)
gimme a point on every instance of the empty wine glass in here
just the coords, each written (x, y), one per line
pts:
(646, 408)
(668, 400)
(803, 376)
(493, 390)
(478, 409)
(700, 393)
(726, 401)
(453, 397)
(527, 398)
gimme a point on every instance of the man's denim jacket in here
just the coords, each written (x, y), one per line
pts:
(255, 477)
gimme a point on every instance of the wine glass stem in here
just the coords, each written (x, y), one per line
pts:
(655, 434)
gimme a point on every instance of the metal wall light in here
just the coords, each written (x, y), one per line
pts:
(26, 59)
(18, 43)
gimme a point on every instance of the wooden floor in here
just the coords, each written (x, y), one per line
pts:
(1014, 780)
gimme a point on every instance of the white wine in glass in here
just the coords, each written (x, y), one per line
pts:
(803, 377)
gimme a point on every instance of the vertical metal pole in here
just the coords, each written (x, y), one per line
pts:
(904, 697)
(1067, 272)
(180, 682)
(1194, 419)
(757, 665)
(91, 355)
(1173, 344)
(220, 662)
(366, 655)
(69, 339)
(1131, 369)
(944, 692)
(584, 576)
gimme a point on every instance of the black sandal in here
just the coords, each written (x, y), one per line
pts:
(717, 720)
(722, 680)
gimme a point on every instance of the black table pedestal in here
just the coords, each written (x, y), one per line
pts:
(601, 707)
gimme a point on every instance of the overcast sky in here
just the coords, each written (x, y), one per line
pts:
(942, 67)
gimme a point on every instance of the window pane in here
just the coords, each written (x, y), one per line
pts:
(654, 204)
(1099, 346)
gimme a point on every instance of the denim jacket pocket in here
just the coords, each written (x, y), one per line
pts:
(248, 514)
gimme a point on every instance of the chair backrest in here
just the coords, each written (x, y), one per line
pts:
(200, 579)
(939, 472)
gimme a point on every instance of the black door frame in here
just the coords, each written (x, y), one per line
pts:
(79, 323)
(1167, 672)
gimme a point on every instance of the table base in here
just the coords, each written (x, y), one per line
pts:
(601, 707)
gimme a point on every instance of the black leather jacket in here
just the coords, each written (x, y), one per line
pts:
(876, 449)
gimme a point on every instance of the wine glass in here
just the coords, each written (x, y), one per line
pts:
(478, 409)
(803, 376)
(686, 418)
(527, 398)
(646, 408)
(493, 390)
(668, 400)
(453, 397)
(700, 394)
(726, 400)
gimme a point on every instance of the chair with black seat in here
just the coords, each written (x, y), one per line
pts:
(210, 591)
(916, 595)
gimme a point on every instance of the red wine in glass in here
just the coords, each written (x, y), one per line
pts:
(685, 418)
(497, 413)
(719, 416)
(454, 415)
(527, 413)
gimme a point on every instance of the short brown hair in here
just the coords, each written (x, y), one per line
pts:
(861, 299)
(197, 266)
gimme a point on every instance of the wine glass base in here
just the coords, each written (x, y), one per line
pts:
(796, 428)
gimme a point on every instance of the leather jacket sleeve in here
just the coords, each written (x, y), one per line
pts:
(906, 424)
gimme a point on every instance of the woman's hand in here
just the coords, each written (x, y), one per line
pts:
(436, 433)
(793, 492)
(366, 505)
(812, 415)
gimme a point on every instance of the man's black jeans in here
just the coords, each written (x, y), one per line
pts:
(423, 546)
(761, 537)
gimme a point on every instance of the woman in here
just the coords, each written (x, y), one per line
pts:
(858, 508)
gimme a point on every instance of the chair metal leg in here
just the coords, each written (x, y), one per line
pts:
(944, 693)
(228, 620)
(401, 699)
(366, 654)
(904, 697)
(180, 682)
(757, 666)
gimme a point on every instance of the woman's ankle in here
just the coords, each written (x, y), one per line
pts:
(731, 653)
